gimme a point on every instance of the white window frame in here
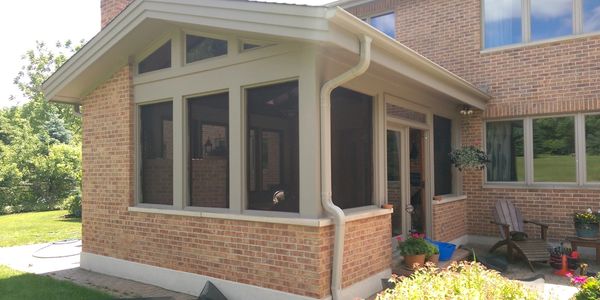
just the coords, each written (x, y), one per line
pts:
(153, 47)
(369, 17)
(580, 154)
(577, 19)
(225, 38)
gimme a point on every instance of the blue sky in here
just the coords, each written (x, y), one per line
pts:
(22, 22)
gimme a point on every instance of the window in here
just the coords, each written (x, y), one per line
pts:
(199, 48)
(157, 153)
(506, 149)
(502, 22)
(272, 116)
(521, 21)
(591, 15)
(554, 150)
(592, 147)
(442, 146)
(551, 19)
(157, 60)
(385, 23)
(351, 148)
(208, 122)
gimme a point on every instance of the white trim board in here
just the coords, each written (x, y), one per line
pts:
(192, 284)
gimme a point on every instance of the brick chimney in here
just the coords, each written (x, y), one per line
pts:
(111, 8)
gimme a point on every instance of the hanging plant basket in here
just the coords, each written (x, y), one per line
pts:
(469, 158)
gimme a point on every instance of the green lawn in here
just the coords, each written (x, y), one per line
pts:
(557, 168)
(24, 286)
(38, 227)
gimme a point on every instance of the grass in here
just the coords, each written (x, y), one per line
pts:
(25, 286)
(559, 168)
(38, 227)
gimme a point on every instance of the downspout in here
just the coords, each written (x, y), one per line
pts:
(334, 211)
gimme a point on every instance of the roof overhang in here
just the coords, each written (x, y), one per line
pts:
(144, 20)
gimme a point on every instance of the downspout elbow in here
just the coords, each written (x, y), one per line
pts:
(326, 199)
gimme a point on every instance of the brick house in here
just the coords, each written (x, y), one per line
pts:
(254, 144)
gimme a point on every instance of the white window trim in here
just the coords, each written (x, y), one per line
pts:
(580, 156)
(153, 47)
(577, 19)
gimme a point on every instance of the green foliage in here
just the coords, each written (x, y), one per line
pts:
(73, 205)
(40, 141)
(465, 280)
(469, 157)
(415, 246)
(590, 289)
(554, 136)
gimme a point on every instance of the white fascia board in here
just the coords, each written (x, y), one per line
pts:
(388, 51)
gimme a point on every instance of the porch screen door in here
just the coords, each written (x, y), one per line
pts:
(396, 187)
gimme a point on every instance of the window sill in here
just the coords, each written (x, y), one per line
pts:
(537, 43)
(351, 215)
(449, 199)
(541, 186)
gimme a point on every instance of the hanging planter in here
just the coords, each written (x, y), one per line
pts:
(469, 158)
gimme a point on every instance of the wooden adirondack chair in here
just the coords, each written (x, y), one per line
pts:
(509, 220)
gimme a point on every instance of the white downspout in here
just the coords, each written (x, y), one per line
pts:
(337, 213)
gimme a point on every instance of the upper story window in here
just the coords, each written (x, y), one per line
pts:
(385, 23)
(157, 60)
(522, 21)
(198, 48)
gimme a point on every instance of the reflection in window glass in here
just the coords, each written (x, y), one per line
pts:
(554, 150)
(394, 186)
(502, 22)
(199, 48)
(551, 18)
(591, 15)
(442, 146)
(505, 148)
(159, 59)
(385, 23)
(209, 151)
(157, 153)
(351, 148)
(273, 147)
(592, 147)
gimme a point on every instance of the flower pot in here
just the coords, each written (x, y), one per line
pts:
(387, 206)
(414, 261)
(587, 230)
(434, 258)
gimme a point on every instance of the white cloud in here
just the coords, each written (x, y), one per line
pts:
(551, 8)
(592, 23)
(498, 10)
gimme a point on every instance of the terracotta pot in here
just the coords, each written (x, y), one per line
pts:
(414, 261)
(387, 206)
(435, 258)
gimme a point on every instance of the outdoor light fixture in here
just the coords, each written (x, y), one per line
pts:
(466, 110)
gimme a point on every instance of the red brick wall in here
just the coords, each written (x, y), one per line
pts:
(209, 182)
(111, 8)
(449, 220)
(548, 78)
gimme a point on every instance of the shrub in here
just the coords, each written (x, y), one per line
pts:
(590, 289)
(465, 280)
(415, 246)
(73, 205)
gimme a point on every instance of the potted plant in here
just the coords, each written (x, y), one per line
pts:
(587, 224)
(469, 157)
(434, 254)
(415, 250)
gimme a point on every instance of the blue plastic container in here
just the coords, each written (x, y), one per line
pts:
(446, 249)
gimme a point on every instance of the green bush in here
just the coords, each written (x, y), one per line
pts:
(73, 205)
(590, 289)
(415, 246)
(465, 280)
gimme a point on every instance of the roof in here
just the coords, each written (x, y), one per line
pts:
(143, 20)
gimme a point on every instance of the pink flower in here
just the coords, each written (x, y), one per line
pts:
(577, 280)
(399, 239)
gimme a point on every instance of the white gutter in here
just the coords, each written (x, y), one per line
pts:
(337, 213)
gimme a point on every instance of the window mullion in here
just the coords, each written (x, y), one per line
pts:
(528, 143)
(526, 20)
(179, 182)
(577, 16)
(580, 149)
